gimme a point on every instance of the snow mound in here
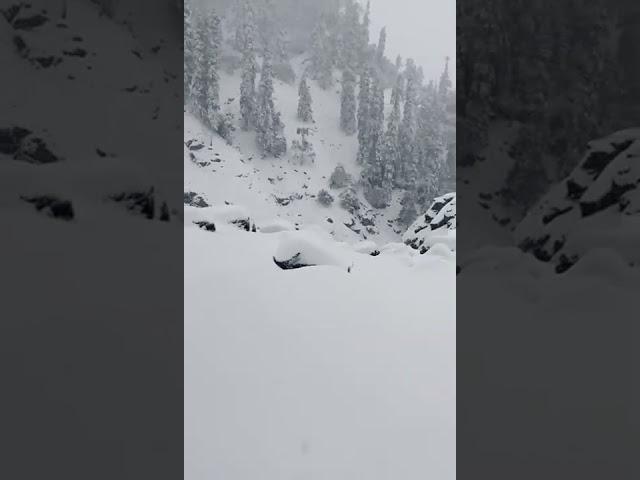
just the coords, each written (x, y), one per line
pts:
(596, 206)
(276, 226)
(437, 226)
(368, 247)
(307, 248)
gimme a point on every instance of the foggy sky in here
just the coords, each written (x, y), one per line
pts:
(422, 29)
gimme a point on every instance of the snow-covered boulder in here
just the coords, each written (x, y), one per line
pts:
(437, 226)
(308, 248)
(597, 206)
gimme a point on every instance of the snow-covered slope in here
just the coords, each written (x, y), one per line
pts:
(438, 225)
(596, 207)
(342, 370)
(272, 188)
(55, 69)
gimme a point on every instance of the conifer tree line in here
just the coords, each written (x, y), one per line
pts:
(550, 67)
(400, 135)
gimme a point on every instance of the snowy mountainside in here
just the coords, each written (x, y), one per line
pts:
(55, 68)
(596, 207)
(438, 225)
(272, 188)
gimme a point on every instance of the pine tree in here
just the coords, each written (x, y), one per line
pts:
(382, 42)
(430, 141)
(363, 116)
(302, 150)
(376, 190)
(214, 42)
(444, 86)
(407, 169)
(189, 51)
(375, 132)
(265, 110)
(269, 126)
(348, 103)
(249, 70)
(200, 88)
(305, 112)
(351, 37)
(364, 39)
(322, 54)
(390, 150)
(205, 91)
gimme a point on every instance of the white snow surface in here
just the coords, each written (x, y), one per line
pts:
(324, 372)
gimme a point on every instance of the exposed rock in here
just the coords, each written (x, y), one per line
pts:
(11, 139)
(142, 203)
(438, 225)
(597, 206)
(349, 201)
(23, 146)
(195, 200)
(208, 226)
(52, 206)
(291, 263)
(29, 23)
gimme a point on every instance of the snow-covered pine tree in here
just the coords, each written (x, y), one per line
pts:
(407, 169)
(382, 42)
(269, 126)
(305, 111)
(430, 147)
(206, 88)
(390, 150)
(348, 103)
(189, 51)
(375, 132)
(322, 54)
(376, 189)
(302, 150)
(265, 110)
(364, 39)
(279, 141)
(200, 88)
(351, 37)
(444, 86)
(214, 43)
(247, 37)
(363, 115)
(398, 63)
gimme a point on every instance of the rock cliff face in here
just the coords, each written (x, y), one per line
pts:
(596, 207)
(438, 225)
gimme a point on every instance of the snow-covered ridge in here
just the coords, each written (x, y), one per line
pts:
(437, 226)
(596, 207)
